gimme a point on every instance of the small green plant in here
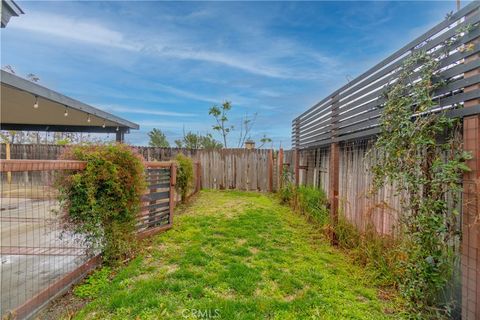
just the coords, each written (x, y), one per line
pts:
(101, 202)
(310, 201)
(379, 253)
(184, 175)
(287, 190)
(313, 202)
(94, 284)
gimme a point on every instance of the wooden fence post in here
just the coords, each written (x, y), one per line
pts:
(297, 168)
(334, 171)
(280, 169)
(270, 170)
(173, 181)
(198, 182)
(470, 259)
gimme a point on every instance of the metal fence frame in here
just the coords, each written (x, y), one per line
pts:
(158, 192)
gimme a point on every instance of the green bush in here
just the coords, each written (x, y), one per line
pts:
(94, 284)
(102, 201)
(184, 175)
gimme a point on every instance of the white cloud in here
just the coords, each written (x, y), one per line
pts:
(178, 44)
(73, 29)
(152, 112)
(245, 63)
(177, 125)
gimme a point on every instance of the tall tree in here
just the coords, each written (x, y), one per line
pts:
(208, 142)
(220, 115)
(158, 139)
(191, 140)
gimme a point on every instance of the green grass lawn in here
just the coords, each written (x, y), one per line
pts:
(239, 255)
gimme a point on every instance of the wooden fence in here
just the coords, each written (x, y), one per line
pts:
(357, 203)
(331, 138)
(242, 169)
(31, 231)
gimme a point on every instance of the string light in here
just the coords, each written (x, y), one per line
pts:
(103, 125)
(66, 112)
(88, 119)
(117, 129)
(35, 105)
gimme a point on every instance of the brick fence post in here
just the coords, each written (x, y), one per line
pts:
(470, 256)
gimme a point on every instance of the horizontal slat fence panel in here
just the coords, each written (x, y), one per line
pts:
(360, 102)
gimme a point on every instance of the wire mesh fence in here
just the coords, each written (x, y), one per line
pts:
(40, 256)
(314, 167)
(36, 251)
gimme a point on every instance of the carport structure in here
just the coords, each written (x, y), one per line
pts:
(39, 258)
(28, 106)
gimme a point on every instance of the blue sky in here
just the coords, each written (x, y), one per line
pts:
(163, 64)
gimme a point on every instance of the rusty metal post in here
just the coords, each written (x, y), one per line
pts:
(334, 171)
(470, 259)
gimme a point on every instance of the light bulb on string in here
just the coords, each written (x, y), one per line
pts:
(117, 129)
(88, 119)
(103, 125)
(35, 104)
(66, 113)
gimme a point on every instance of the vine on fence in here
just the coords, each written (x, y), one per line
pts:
(102, 201)
(421, 153)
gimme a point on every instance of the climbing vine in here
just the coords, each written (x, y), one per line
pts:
(101, 202)
(420, 152)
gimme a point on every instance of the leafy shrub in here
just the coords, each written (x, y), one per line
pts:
(102, 201)
(94, 284)
(184, 175)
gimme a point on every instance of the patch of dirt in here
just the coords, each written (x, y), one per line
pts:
(241, 242)
(63, 307)
(296, 295)
(171, 268)
(385, 295)
(254, 250)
